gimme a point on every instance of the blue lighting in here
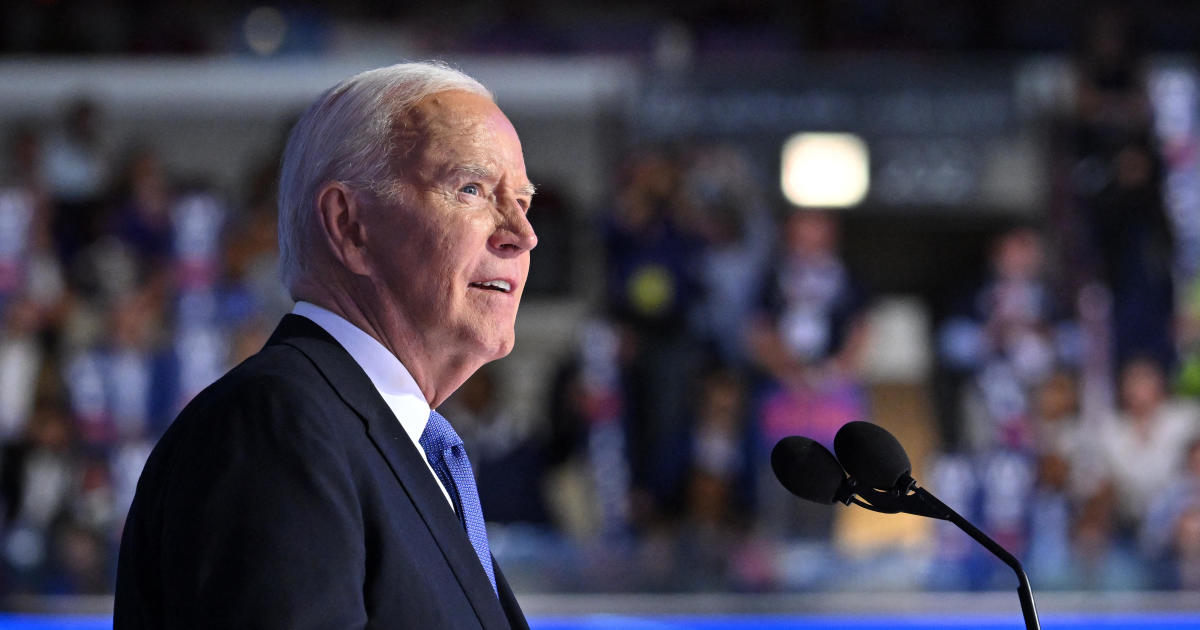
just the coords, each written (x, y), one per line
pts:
(1148, 621)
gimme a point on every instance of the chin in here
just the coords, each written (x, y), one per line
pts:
(502, 349)
(494, 346)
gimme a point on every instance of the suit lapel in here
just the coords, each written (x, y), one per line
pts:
(404, 459)
(508, 601)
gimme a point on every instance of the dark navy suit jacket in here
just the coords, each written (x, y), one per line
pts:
(287, 495)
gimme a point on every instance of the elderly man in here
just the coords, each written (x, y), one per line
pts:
(313, 486)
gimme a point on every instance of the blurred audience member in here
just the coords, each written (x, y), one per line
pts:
(21, 358)
(1058, 437)
(810, 333)
(652, 288)
(142, 219)
(1004, 340)
(250, 296)
(75, 166)
(251, 259)
(1143, 446)
(1187, 549)
(1128, 241)
(1057, 445)
(119, 389)
(735, 230)
(717, 505)
(807, 340)
(1135, 241)
(32, 303)
(75, 171)
(201, 339)
(718, 458)
(81, 560)
(588, 440)
(39, 480)
(1170, 533)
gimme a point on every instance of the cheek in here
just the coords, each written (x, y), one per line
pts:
(467, 241)
(433, 244)
(456, 258)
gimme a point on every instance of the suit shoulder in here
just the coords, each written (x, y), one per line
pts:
(278, 366)
(277, 373)
(278, 391)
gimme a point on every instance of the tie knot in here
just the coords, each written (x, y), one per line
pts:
(438, 435)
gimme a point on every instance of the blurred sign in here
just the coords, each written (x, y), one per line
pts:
(941, 137)
(907, 111)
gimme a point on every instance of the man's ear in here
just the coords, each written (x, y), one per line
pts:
(340, 215)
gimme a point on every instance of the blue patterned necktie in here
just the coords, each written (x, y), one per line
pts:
(449, 460)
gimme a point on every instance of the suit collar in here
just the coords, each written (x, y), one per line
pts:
(405, 461)
(387, 373)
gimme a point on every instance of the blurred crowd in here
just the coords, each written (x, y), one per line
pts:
(1066, 431)
(1065, 380)
(1070, 428)
(122, 294)
(1066, 422)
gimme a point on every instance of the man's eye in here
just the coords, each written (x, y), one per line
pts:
(470, 189)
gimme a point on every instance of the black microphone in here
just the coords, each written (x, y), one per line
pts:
(875, 459)
(872, 456)
(808, 470)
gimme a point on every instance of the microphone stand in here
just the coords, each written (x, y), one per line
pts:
(910, 498)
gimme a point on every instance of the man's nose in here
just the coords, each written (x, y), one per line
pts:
(515, 233)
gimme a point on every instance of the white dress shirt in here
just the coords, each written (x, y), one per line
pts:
(389, 376)
(1141, 464)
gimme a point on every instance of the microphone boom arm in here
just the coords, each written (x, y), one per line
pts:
(910, 498)
(894, 502)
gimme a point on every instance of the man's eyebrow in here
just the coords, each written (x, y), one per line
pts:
(475, 170)
(528, 190)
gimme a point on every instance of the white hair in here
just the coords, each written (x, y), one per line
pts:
(346, 136)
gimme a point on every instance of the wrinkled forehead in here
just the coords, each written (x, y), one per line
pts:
(456, 122)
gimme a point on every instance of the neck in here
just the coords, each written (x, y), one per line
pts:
(1142, 415)
(436, 373)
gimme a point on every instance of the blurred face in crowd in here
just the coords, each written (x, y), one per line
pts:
(811, 234)
(1142, 387)
(643, 198)
(1018, 255)
(453, 245)
(1056, 398)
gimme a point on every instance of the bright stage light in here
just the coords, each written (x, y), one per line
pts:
(828, 170)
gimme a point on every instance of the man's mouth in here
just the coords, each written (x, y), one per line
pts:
(493, 285)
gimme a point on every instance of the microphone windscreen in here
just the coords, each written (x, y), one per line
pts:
(807, 469)
(871, 455)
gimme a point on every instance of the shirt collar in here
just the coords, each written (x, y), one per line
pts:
(389, 376)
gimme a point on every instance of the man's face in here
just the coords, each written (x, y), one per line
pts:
(450, 255)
